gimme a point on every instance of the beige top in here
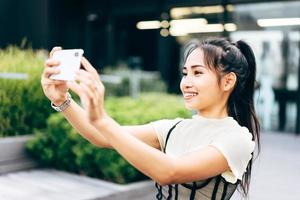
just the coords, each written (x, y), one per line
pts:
(232, 140)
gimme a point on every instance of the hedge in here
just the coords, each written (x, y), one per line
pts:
(23, 106)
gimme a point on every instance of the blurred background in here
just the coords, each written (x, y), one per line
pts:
(136, 45)
(148, 35)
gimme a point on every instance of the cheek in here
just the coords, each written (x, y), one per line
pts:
(204, 83)
(208, 88)
(181, 85)
(213, 92)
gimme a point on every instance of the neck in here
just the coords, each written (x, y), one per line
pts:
(216, 112)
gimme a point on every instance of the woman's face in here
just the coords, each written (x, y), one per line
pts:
(199, 84)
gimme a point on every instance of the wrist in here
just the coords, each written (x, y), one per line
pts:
(60, 101)
(62, 106)
(102, 121)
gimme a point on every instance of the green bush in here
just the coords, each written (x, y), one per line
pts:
(61, 147)
(23, 106)
(149, 107)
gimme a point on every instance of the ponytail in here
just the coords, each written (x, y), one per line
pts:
(243, 94)
(244, 104)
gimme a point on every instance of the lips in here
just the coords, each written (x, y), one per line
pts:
(189, 95)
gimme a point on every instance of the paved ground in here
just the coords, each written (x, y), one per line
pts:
(51, 184)
(276, 176)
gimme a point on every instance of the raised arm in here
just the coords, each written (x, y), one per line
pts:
(77, 117)
(56, 91)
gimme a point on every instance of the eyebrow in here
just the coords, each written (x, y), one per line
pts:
(194, 66)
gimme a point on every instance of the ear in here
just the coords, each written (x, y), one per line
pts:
(228, 81)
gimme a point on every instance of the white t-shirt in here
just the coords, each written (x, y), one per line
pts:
(231, 139)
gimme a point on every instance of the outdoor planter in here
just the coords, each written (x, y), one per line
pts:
(13, 156)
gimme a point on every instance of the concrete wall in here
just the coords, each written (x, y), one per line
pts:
(13, 156)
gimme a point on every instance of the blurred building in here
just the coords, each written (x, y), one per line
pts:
(149, 34)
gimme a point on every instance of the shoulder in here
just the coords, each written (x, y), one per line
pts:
(237, 146)
(162, 128)
(165, 123)
(239, 132)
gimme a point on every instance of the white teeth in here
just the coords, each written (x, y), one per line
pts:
(189, 94)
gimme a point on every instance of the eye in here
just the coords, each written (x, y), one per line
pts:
(198, 72)
(183, 73)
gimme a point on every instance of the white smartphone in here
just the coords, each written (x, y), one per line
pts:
(69, 63)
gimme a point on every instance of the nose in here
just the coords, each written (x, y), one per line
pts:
(187, 82)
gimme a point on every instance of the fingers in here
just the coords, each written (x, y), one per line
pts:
(47, 81)
(88, 79)
(53, 50)
(48, 71)
(87, 91)
(87, 84)
(85, 76)
(75, 87)
(91, 99)
(85, 94)
(49, 68)
(87, 66)
(89, 87)
(51, 63)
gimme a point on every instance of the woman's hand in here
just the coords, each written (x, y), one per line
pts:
(91, 91)
(55, 90)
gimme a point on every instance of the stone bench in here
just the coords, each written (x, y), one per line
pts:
(19, 180)
(13, 156)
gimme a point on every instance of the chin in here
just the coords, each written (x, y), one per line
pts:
(190, 106)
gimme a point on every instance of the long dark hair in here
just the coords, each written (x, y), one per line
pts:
(224, 56)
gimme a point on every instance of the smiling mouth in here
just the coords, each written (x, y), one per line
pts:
(189, 95)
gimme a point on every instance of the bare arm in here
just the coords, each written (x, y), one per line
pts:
(134, 144)
(76, 116)
(56, 92)
(163, 168)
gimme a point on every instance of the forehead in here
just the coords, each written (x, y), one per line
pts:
(195, 58)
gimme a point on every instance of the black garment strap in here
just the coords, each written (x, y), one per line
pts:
(193, 191)
(205, 183)
(170, 193)
(168, 135)
(224, 190)
(214, 194)
(230, 192)
(176, 192)
(159, 194)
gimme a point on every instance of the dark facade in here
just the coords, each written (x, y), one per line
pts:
(105, 29)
